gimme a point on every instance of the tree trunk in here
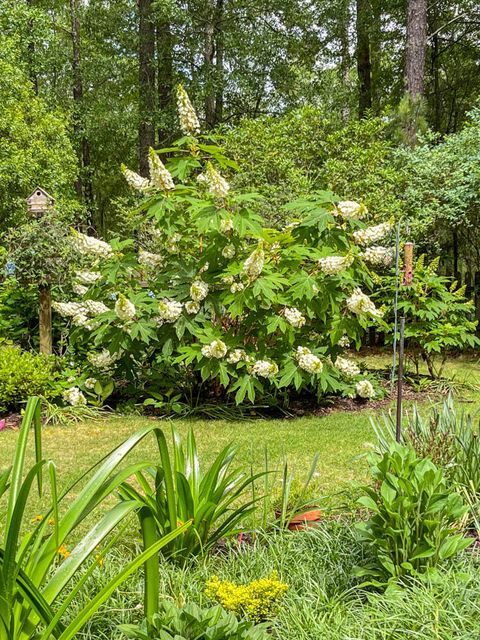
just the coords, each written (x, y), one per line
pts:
(208, 67)
(164, 78)
(345, 54)
(364, 67)
(415, 48)
(83, 185)
(219, 64)
(146, 80)
(45, 319)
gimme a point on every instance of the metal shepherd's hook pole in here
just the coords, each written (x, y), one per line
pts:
(407, 280)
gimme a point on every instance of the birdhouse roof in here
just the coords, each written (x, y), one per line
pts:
(40, 195)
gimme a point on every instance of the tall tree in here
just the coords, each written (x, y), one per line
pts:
(219, 60)
(364, 66)
(164, 77)
(146, 82)
(415, 48)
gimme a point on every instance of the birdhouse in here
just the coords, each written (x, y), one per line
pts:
(39, 201)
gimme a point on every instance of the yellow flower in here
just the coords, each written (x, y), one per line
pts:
(37, 519)
(63, 551)
(51, 521)
(99, 560)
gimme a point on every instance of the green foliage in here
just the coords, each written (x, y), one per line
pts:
(191, 622)
(22, 374)
(19, 313)
(35, 146)
(414, 526)
(179, 491)
(438, 317)
(32, 574)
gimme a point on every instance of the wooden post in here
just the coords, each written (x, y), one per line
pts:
(408, 263)
(39, 202)
(45, 319)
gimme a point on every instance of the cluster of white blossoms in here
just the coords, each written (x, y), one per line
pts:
(103, 360)
(334, 264)
(74, 396)
(149, 260)
(370, 235)
(364, 389)
(91, 246)
(68, 309)
(87, 277)
(238, 355)
(90, 383)
(216, 349)
(79, 289)
(95, 307)
(135, 181)
(378, 256)
(172, 243)
(160, 176)
(236, 287)
(214, 181)
(360, 304)
(264, 369)
(169, 310)
(226, 225)
(192, 307)
(253, 265)
(347, 367)
(344, 341)
(124, 308)
(228, 251)
(308, 361)
(198, 290)
(294, 317)
(350, 209)
(187, 117)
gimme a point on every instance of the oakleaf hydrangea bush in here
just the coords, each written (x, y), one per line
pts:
(211, 303)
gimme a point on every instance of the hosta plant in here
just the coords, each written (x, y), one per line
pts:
(39, 560)
(191, 622)
(208, 300)
(414, 519)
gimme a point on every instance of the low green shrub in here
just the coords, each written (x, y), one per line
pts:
(414, 522)
(22, 374)
(191, 622)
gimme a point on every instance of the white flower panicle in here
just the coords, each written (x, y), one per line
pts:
(347, 367)
(125, 309)
(79, 289)
(74, 397)
(95, 307)
(308, 361)
(90, 383)
(187, 117)
(216, 349)
(378, 256)
(169, 310)
(172, 243)
(228, 251)
(264, 369)
(68, 309)
(135, 181)
(236, 287)
(81, 320)
(294, 317)
(149, 260)
(103, 360)
(88, 245)
(238, 355)
(88, 277)
(360, 304)
(350, 209)
(228, 280)
(226, 225)
(214, 181)
(198, 290)
(192, 307)
(332, 265)
(364, 389)
(344, 341)
(253, 265)
(160, 176)
(370, 235)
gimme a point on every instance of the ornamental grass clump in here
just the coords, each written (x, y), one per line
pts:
(258, 600)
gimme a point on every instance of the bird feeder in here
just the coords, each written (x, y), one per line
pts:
(39, 202)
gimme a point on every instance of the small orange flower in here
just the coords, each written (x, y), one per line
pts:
(63, 551)
(37, 519)
(99, 560)
(51, 521)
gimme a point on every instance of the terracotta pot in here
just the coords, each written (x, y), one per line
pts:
(305, 519)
